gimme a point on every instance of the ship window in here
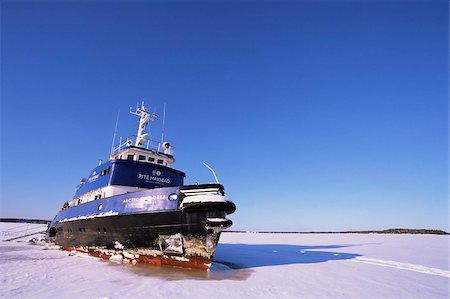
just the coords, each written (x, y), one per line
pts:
(104, 230)
(141, 157)
(98, 229)
(151, 159)
(105, 171)
(160, 161)
(130, 157)
(84, 229)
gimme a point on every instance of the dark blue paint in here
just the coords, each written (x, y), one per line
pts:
(95, 180)
(144, 175)
(131, 173)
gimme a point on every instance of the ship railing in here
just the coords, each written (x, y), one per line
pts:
(149, 145)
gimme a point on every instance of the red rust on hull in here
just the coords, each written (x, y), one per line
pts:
(190, 262)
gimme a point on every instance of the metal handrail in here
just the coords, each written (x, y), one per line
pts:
(150, 145)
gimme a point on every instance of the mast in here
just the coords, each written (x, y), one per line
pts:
(144, 117)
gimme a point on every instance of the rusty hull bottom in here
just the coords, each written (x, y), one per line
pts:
(125, 257)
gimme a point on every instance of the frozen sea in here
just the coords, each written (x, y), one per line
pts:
(246, 265)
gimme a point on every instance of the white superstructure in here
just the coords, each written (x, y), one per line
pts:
(144, 149)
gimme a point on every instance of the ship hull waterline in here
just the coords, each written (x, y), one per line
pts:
(173, 238)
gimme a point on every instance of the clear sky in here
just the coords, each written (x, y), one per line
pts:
(316, 115)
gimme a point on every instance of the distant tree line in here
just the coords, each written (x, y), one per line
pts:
(21, 220)
(386, 231)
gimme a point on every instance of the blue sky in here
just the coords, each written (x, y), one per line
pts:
(316, 115)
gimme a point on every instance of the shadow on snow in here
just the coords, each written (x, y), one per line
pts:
(245, 256)
(238, 261)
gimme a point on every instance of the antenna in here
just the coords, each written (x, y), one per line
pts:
(213, 172)
(115, 133)
(164, 123)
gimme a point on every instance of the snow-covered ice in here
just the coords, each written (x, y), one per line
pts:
(246, 265)
(20, 231)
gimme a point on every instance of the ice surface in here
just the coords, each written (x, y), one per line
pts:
(21, 231)
(246, 265)
(117, 245)
(117, 258)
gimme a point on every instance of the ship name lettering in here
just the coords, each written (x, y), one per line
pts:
(144, 176)
(158, 179)
(145, 198)
(153, 178)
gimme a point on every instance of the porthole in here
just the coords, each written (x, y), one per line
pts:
(100, 206)
(173, 196)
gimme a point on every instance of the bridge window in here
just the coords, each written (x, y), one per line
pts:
(141, 157)
(130, 157)
(151, 159)
(160, 161)
(105, 171)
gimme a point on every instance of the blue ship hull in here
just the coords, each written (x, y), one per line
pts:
(154, 219)
(153, 200)
(145, 224)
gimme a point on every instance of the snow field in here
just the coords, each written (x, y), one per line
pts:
(12, 230)
(246, 265)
